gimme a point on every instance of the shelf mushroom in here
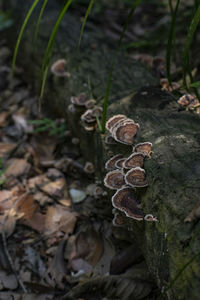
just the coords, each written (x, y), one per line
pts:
(125, 200)
(114, 180)
(113, 120)
(110, 164)
(125, 132)
(136, 177)
(134, 160)
(80, 100)
(144, 148)
(59, 68)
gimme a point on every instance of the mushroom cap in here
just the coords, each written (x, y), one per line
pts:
(114, 180)
(144, 148)
(89, 167)
(90, 103)
(119, 163)
(88, 116)
(120, 122)
(109, 140)
(125, 200)
(111, 122)
(118, 219)
(150, 218)
(125, 132)
(59, 68)
(136, 159)
(110, 164)
(188, 101)
(136, 177)
(80, 100)
(97, 111)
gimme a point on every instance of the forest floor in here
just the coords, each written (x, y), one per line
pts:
(57, 235)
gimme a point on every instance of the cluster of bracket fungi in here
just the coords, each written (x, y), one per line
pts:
(91, 110)
(126, 174)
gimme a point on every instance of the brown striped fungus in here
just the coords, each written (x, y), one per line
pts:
(126, 174)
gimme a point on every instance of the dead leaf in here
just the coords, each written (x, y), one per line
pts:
(37, 181)
(6, 148)
(3, 117)
(88, 245)
(55, 189)
(42, 199)
(36, 222)
(26, 206)
(60, 218)
(8, 281)
(58, 268)
(17, 167)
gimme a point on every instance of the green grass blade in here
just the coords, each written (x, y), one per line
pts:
(84, 21)
(49, 48)
(106, 97)
(190, 35)
(39, 20)
(195, 84)
(170, 42)
(31, 9)
(48, 51)
(44, 79)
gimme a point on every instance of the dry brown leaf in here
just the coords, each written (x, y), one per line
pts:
(7, 198)
(37, 181)
(3, 117)
(44, 146)
(17, 167)
(55, 189)
(36, 222)
(42, 199)
(60, 218)
(26, 206)
(6, 148)
(7, 281)
(88, 245)
(65, 202)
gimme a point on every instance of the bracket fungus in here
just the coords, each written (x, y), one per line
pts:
(80, 100)
(113, 120)
(119, 163)
(144, 148)
(150, 218)
(109, 140)
(88, 116)
(134, 160)
(125, 200)
(114, 180)
(136, 177)
(118, 219)
(110, 164)
(59, 68)
(125, 132)
(126, 174)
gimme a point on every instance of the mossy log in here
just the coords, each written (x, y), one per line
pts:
(169, 245)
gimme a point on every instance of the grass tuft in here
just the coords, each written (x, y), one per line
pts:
(30, 11)
(84, 21)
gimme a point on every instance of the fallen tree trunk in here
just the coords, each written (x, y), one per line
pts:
(170, 246)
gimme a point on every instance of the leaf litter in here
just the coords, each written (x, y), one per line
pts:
(57, 241)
